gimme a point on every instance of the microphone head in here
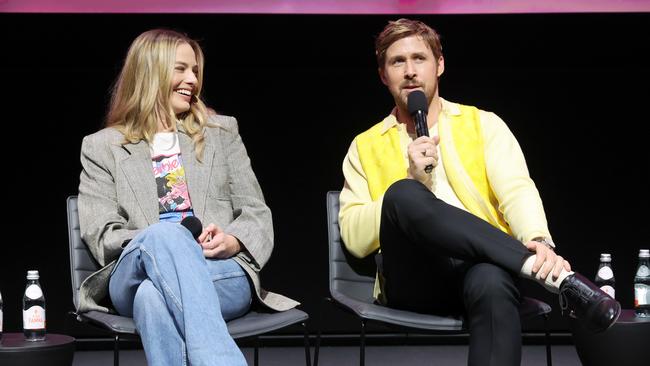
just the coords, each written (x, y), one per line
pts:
(194, 225)
(417, 101)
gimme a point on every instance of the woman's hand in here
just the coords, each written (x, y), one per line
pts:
(217, 244)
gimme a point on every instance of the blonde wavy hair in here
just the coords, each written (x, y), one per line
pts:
(141, 95)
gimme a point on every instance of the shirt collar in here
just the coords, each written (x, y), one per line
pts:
(448, 108)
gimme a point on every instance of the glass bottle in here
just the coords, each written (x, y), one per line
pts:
(605, 275)
(1, 317)
(33, 309)
(642, 285)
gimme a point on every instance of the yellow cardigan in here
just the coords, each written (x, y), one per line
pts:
(482, 160)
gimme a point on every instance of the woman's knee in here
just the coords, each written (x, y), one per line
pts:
(165, 229)
(232, 286)
(148, 298)
(236, 303)
(169, 236)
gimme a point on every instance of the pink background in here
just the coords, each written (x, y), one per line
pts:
(324, 7)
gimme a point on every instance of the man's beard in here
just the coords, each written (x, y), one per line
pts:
(402, 100)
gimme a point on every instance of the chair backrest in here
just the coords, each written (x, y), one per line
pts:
(82, 263)
(348, 275)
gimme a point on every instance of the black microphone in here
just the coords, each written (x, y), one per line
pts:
(418, 109)
(194, 225)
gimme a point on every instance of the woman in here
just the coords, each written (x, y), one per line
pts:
(162, 158)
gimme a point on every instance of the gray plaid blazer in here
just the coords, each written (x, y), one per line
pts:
(118, 198)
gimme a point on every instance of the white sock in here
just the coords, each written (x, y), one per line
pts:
(549, 284)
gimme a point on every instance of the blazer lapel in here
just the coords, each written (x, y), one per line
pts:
(138, 169)
(197, 174)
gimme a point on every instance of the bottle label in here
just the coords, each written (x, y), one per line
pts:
(34, 292)
(641, 294)
(609, 290)
(34, 318)
(643, 271)
(605, 272)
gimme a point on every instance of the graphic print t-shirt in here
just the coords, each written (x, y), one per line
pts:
(174, 202)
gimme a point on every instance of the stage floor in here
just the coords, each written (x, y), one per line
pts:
(533, 355)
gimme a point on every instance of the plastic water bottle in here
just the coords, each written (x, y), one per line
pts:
(33, 309)
(642, 285)
(605, 276)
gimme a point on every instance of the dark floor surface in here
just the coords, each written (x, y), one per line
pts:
(532, 355)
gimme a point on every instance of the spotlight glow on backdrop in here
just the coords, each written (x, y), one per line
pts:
(325, 6)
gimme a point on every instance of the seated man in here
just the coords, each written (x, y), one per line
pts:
(453, 239)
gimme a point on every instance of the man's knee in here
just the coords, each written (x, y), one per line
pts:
(489, 284)
(404, 190)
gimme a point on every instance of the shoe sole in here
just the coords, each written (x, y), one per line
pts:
(612, 322)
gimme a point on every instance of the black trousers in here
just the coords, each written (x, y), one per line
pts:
(439, 259)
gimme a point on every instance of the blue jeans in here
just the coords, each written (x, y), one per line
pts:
(180, 300)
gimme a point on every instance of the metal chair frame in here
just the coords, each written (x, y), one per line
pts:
(255, 323)
(351, 283)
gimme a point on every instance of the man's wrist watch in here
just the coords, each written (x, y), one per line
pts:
(546, 241)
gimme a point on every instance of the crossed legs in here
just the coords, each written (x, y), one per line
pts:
(179, 300)
(439, 259)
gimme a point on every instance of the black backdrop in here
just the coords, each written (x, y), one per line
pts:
(572, 87)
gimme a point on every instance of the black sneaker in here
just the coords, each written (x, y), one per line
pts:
(596, 310)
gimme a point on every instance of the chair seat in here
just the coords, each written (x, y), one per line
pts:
(112, 322)
(352, 282)
(372, 311)
(531, 308)
(367, 309)
(253, 323)
(82, 264)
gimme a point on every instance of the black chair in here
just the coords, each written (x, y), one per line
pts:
(82, 264)
(352, 283)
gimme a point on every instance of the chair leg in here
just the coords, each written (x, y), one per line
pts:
(317, 347)
(362, 348)
(318, 333)
(256, 353)
(547, 336)
(307, 355)
(116, 351)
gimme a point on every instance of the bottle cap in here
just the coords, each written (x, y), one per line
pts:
(32, 275)
(644, 253)
(605, 257)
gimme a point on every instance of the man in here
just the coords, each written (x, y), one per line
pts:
(455, 239)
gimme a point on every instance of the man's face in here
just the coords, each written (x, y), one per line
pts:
(410, 65)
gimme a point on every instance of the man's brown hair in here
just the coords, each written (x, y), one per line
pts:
(402, 28)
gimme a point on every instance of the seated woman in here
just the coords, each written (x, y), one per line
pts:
(162, 157)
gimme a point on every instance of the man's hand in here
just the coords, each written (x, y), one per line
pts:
(217, 244)
(547, 261)
(422, 151)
